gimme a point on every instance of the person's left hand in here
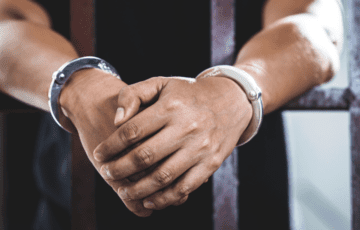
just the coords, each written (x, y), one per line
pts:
(189, 130)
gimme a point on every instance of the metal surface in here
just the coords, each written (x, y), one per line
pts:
(321, 99)
(83, 216)
(83, 189)
(222, 32)
(82, 26)
(354, 48)
(2, 173)
(64, 73)
(225, 179)
(225, 192)
(253, 93)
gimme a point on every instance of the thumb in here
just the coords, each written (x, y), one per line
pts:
(131, 97)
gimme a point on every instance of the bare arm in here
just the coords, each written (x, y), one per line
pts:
(196, 124)
(297, 49)
(30, 51)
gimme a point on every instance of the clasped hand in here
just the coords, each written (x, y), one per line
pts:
(170, 134)
(159, 155)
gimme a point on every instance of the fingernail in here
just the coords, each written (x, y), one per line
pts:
(149, 205)
(123, 194)
(105, 173)
(119, 115)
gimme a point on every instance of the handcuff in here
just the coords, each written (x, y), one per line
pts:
(63, 74)
(242, 78)
(253, 93)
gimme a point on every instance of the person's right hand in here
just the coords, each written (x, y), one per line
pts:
(89, 100)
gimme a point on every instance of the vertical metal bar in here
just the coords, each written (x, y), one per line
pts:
(355, 170)
(83, 189)
(82, 25)
(222, 32)
(354, 73)
(225, 179)
(2, 173)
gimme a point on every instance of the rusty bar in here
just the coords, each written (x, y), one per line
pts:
(2, 173)
(83, 189)
(355, 162)
(316, 99)
(225, 192)
(353, 7)
(321, 99)
(222, 32)
(225, 179)
(82, 26)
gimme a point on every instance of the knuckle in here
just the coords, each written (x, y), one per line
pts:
(129, 133)
(114, 174)
(210, 144)
(193, 126)
(133, 195)
(103, 151)
(125, 91)
(181, 201)
(128, 194)
(216, 162)
(144, 157)
(184, 191)
(206, 143)
(161, 201)
(163, 177)
(173, 104)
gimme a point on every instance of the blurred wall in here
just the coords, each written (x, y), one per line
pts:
(319, 157)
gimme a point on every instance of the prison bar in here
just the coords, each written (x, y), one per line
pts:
(348, 99)
(82, 27)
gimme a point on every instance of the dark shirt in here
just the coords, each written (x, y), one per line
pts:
(142, 39)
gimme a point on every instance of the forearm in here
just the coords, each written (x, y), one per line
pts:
(89, 99)
(289, 57)
(30, 53)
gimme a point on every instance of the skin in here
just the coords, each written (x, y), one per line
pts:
(30, 51)
(195, 124)
(196, 127)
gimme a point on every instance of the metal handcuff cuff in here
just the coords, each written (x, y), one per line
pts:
(253, 93)
(63, 74)
(244, 80)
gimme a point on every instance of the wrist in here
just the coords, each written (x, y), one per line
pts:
(253, 93)
(259, 75)
(234, 98)
(241, 101)
(88, 90)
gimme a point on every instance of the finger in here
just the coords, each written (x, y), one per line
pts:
(186, 184)
(150, 152)
(162, 176)
(133, 96)
(137, 176)
(137, 128)
(135, 206)
(181, 201)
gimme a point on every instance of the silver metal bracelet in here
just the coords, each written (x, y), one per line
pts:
(63, 74)
(252, 90)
